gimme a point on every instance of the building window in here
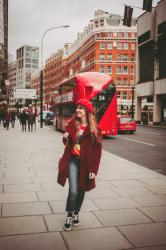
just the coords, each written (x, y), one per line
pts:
(119, 46)
(119, 34)
(118, 94)
(102, 57)
(132, 82)
(126, 35)
(132, 46)
(124, 95)
(118, 70)
(102, 69)
(102, 45)
(109, 57)
(109, 45)
(125, 58)
(125, 82)
(119, 58)
(132, 57)
(96, 24)
(102, 22)
(109, 70)
(132, 70)
(133, 35)
(110, 34)
(125, 46)
(118, 81)
(125, 70)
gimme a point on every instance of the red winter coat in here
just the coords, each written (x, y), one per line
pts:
(90, 155)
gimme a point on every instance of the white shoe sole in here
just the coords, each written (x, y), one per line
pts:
(75, 225)
(67, 229)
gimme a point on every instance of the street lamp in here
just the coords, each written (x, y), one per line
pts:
(41, 73)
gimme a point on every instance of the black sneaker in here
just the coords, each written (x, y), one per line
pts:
(68, 224)
(76, 220)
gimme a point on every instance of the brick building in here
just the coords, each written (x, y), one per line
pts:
(104, 46)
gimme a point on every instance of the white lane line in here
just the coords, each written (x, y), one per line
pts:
(148, 133)
(127, 139)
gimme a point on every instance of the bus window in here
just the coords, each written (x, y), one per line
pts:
(68, 110)
(67, 87)
(102, 100)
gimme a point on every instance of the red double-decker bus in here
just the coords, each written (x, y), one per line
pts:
(94, 86)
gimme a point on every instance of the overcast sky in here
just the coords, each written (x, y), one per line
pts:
(29, 19)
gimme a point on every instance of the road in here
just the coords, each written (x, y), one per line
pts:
(146, 147)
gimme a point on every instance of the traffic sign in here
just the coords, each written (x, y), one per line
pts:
(24, 93)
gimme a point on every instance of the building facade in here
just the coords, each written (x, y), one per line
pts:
(12, 79)
(104, 46)
(151, 73)
(27, 64)
(53, 74)
(35, 83)
(3, 48)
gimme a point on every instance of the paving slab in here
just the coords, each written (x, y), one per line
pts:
(1, 188)
(127, 183)
(121, 217)
(22, 225)
(29, 208)
(154, 181)
(97, 239)
(59, 206)
(15, 180)
(163, 247)
(151, 200)
(17, 197)
(101, 193)
(158, 189)
(50, 196)
(156, 213)
(116, 203)
(145, 234)
(22, 188)
(136, 191)
(43, 241)
(53, 187)
(55, 222)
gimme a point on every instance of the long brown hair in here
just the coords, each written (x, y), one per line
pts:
(92, 123)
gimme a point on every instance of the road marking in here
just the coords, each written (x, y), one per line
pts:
(148, 133)
(127, 139)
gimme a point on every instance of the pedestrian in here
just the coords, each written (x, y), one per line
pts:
(13, 118)
(80, 160)
(23, 119)
(7, 119)
(2, 112)
(31, 120)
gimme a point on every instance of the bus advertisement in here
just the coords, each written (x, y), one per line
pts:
(96, 87)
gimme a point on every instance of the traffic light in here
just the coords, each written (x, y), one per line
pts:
(128, 11)
(147, 5)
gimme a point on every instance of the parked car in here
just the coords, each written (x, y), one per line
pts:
(49, 118)
(126, 124)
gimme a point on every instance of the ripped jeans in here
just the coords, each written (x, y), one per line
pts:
(75, 196)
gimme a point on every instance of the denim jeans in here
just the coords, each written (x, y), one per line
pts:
(75, 196)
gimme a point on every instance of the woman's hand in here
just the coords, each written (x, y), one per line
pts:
(91, 176)
(65, 135)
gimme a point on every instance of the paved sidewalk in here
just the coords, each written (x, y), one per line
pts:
(127, 210)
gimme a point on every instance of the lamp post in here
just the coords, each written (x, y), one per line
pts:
(41, 73)
(132, 103)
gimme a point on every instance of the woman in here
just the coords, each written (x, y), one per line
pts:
(81, 158)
